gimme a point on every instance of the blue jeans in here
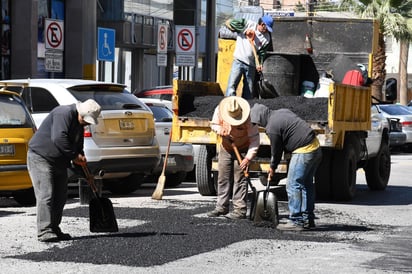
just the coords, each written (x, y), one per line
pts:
(50, 187)
(300, 187)
(238, 70)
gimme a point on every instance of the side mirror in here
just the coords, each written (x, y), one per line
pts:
(391, 90)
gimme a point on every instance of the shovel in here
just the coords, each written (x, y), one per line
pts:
(264, 204)
(101, 213)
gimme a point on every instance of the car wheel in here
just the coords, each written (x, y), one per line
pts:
(126, 185)
(175, 179)
(378, 169)
(25, 197)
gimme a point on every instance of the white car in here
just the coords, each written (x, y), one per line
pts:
(122, 146)
(180, 159)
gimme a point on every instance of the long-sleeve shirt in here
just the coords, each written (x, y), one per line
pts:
(59, 138)
(288, 132)
(244, 49)
(245, 137)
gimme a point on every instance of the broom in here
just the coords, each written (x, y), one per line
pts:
(158, 193)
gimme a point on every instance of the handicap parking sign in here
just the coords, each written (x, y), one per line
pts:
(105, 44)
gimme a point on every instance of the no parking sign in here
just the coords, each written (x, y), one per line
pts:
(54, 34)
(185, 45)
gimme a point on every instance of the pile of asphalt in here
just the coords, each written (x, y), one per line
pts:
(309, 109)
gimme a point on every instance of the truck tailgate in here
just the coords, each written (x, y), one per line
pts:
(348, 110)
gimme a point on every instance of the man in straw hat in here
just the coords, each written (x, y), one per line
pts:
(232, 122)
(57, 142)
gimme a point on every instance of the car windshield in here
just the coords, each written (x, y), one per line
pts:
(161, 113)
(108, 97)
(12, 113)
(396, 110)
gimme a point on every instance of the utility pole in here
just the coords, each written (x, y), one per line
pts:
(210, 62)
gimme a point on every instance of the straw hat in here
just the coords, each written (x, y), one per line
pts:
(234, 110)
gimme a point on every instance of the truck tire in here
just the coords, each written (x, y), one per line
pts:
(322, 177)
(204, 177)
(344, 173)
(378, 169)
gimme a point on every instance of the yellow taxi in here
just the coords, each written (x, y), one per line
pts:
(16, 129)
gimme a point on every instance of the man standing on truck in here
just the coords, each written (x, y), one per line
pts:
(232, 122)
(288, 132)
(252, 41)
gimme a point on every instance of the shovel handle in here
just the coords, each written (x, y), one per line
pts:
(89, 177)
(239, 158)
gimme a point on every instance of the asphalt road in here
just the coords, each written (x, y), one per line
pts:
(371, 234)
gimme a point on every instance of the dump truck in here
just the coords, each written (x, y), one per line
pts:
(351, 138)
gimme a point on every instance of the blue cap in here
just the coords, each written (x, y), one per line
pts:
(268, 20)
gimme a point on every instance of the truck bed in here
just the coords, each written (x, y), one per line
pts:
(346, 109)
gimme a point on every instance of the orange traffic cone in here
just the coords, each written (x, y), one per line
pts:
(308, 44)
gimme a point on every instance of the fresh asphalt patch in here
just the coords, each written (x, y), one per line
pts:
(179, 230)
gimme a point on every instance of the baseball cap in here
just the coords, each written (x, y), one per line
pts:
(268, 20)
(89, 110)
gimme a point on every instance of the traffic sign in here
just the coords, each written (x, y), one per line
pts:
(162, 39)
(185, 39)
(185, 60)
(161, 60)
(106, 39)
(54, 34)
(53, 61)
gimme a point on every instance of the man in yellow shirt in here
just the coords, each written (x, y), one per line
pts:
(287, 132)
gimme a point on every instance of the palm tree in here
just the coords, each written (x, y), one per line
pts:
(391, 16)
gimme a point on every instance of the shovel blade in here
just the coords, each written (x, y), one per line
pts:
(266, 208)
(102, 217)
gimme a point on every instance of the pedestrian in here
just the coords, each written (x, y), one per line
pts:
(231, 121)
(289, 133)
(252, 42)
(57, 143)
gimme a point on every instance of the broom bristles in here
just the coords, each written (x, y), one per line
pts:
(158, 193)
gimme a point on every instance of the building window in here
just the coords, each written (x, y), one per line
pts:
(5, 40)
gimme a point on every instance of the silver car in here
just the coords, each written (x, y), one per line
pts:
(180, 158)
(122, 146)
(404, 114)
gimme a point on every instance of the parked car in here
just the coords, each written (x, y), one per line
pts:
(397, 137)
(122, 145)
(159, 92)
(180, 158)
(404, 114)
(16, 129)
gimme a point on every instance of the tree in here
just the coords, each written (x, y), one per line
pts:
(391, 16)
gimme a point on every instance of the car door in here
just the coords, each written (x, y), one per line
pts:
(378, 122)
